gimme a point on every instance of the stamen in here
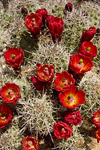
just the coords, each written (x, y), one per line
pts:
(70, 95)
(81, 60)
(88, 49)
(12, 56)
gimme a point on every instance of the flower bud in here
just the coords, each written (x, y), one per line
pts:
(68, 7)
(24, 12)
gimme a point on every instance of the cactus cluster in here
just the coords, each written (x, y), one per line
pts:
(36, 112)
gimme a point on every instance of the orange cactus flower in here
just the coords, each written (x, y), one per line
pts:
(5, 115)
(72, 97)
(80, 64)
(96, 118)
(62, 130)
(88, 49)
(30, 143)
(73, 117)
(33, 22)
(98, 135)
(10, 93)
(63, 81)
(14, 57)
(45, 73)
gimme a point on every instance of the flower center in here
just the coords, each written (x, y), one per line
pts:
(80, 64)
(91, 30)
(46, 71)
(64, 82)
(12, 56)
(74, 116)
(11, 94)
(64, 79)
(33, 22)
(30, 143)
(97, 118)
(2, 116)
(33, 19)
(46, 68)
(63, 129)
(70, 98)
(88, 49)
(81, 61)
(70, 95)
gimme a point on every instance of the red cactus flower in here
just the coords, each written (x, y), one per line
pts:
(98, 135)
(68, 7)
(5, 115)
(45, 73)
(73, 118)
(63, 81)
(80, 64)
(88, 49)
(33, 22)
(62, 130)
(43, 14)
(72, 97)
(38, 84)
(55, 26)
(10, 93)
(96, 118)
(88, 34)
(14, 57)
(49, 17)
(30, 143)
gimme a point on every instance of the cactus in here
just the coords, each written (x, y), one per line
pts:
(91, 84)
(37, 114)
(37, 111)
(10, 137)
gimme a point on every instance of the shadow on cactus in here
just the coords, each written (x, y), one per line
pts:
(28, 43)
